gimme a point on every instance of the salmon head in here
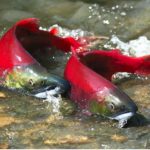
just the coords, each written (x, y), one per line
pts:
(89, 74)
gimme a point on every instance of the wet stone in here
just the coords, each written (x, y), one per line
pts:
(68, 139)
(4, 146)
(7, 120)
(119, 138)
(2, 95)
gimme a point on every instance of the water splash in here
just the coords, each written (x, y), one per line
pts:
(53, 98)
(76, 33)
(138, 47)
(94, 12)
(101, 15)
(55, 101)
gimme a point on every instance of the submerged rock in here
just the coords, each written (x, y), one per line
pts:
(68, 139)
(119, 138)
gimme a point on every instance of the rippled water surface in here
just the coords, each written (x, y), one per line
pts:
(26, 122)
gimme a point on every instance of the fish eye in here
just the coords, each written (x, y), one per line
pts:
(111, 106)
(31, 82)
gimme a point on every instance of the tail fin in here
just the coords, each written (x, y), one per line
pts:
(144, 69)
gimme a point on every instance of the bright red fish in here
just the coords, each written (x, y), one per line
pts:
(18, 67)
(90, 72)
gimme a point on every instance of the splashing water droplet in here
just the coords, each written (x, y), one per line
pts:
(122, 123)
(55, 101)
(106, 22)
(123, 13)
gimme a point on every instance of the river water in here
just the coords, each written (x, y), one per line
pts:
(26, 122)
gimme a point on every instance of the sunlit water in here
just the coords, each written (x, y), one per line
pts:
(26, 122)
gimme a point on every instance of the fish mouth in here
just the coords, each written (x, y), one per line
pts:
(44, 93)
(55, 87)
(122, 118)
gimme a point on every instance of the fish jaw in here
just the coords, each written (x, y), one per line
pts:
(47, 92)
(123, 118)
(116, 105)
(34, 80)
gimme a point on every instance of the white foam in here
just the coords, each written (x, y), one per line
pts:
(121, 75)
(76, 33)
(55, 102)
(137, 47)
(42, 28)
(50, 97)
(106, 22)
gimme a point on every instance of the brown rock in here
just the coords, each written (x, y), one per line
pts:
(2, 95)
(119, 138)
(7, 120)
(3, 145)
(68, 139)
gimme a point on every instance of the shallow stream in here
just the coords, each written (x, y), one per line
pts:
(26, 122)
